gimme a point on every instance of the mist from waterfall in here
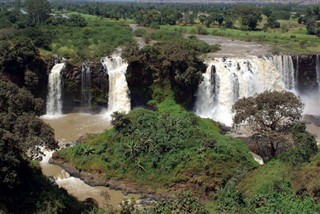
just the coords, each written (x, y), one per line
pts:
(85, 87)
(312, 99)
(54, 101)
(118, 99)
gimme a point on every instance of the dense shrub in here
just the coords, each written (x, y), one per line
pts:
(230, 199)
(140, 32)
(183, 203)
(18, 110)
(278, 197)
(304, 148)
(162, 149)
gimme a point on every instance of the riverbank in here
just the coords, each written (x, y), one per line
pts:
(91, 179)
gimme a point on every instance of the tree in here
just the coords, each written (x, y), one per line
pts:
(249, 16)
(313, 26)
(119, 120)
(76, 20)
(38, 10)
(270, 116)
(202, 18)
(272, 22)
(18, 110)
(10, 162)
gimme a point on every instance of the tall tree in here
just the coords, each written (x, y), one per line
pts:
(38, 10)
(249, 16)
(270, 116)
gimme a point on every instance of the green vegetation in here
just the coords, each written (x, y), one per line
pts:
(77, 37)
(169, 147)
(311, 20)
(182, 203)
(279, 187)
(166, 149)
(249, 16)
(274, 118)
(23, 188)
(286, 27)
(270, 117)
(293, 41)
(159, 149)
(99, 38)
(38, 10)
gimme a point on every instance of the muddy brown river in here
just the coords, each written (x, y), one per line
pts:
(68, 128)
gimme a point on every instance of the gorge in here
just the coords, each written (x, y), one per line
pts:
(225, 81)
(139, 108)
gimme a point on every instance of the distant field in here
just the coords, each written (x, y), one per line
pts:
(99, 38)
(291, 38)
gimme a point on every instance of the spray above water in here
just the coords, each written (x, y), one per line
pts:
(54, 101)
(119, 99)
(318, 71)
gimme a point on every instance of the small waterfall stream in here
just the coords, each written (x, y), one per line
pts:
(54, 101)
(297, 72)
(85, 86)
(318, 71)
(284, 65)
(119, 99)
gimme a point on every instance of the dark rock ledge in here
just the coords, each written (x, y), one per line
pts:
(126, 187)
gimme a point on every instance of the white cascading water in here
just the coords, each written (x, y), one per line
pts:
(227, 80)
(318, 71)
(54, 101)
(284, 65)
(85, 86)
(119, 99)
(297, 71)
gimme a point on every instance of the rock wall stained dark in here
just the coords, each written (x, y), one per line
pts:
(305, 72)
(71, 91)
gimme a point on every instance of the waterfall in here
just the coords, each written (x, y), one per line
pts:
(118, 99)
(85, 86)
(54, 102)
(207, 93)
(227, 80)
(297, 72)
(284, 64)
(318, 71)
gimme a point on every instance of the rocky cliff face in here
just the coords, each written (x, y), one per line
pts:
(72, 87)
(72, 91)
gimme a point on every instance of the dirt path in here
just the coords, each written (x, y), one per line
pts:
(235, 48)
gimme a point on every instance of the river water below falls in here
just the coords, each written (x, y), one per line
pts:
(69, 128)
